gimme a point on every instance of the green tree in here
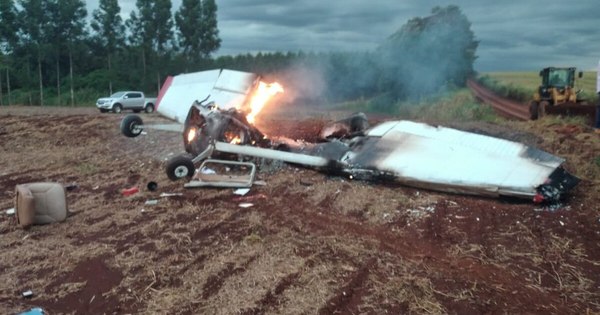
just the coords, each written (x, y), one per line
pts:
(210, 41)
(109, 32)
(9, 25)
(162, 25)
(66, 28)
(189, 25)
(196, 23)
(141, 30)
(34, 19)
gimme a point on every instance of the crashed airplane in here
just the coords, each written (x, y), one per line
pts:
(406, 152)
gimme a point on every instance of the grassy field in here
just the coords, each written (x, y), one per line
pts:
(527, 82)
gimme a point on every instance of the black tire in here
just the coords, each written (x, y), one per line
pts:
(533, 110)
(542, 108)
(103, 110)
(117, 108)
(149, 108)
(180, 166)
(132, 126)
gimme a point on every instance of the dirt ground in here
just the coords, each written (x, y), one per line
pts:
(310, 244)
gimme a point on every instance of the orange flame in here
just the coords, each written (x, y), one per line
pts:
(263, 94)
(236, 140)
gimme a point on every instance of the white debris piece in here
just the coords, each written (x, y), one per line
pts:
(241, 191)
(170, 194)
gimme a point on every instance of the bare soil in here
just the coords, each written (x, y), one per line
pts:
(310, 244)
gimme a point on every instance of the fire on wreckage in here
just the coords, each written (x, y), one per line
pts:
(405, 152)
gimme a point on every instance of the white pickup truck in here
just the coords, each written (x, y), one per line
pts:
(133, 100)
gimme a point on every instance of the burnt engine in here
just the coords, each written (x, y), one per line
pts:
(206, 123)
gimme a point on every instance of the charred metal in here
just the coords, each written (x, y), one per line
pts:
(405, 152)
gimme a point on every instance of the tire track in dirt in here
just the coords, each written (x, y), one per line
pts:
(433, 256)
(503, 106)
(215, 282)
(349, 296)
(270, 300)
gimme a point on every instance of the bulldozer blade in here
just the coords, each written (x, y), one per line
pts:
(573, 109)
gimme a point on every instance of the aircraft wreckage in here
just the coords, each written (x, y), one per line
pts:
(406, 152)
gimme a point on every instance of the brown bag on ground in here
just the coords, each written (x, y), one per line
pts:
(40, 203)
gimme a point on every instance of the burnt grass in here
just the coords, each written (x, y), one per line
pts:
(310, 244)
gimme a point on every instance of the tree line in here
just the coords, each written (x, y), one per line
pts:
(49, 51)
(49, 54)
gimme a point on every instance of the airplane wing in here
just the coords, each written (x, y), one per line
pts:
(451, 160)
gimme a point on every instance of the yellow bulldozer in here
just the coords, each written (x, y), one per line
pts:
(557, 95)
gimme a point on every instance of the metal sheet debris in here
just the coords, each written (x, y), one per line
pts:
(242, 179)
(241, 191)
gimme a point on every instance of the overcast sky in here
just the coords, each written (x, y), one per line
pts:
(513, 34)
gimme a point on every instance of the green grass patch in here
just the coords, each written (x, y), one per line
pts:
(457, 105)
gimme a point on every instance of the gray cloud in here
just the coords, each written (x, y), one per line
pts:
(513, 35)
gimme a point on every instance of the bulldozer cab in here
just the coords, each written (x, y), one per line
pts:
(558, 77)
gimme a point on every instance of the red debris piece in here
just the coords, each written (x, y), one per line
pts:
(130, 191)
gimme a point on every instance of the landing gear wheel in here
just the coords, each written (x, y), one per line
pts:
(180, 166)
(132, 126)
(533, 110)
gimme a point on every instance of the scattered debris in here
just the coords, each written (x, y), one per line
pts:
(246, 205)
(40, 203)
(241, 191)
(243, 177)
(207, 171)
(33, 311)
(352, 126)
(71, 187)
(250, 198)
(10, 211)
(163, 195)
(27, 294)
(151, 202)
(130, 191)
(152, 186)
